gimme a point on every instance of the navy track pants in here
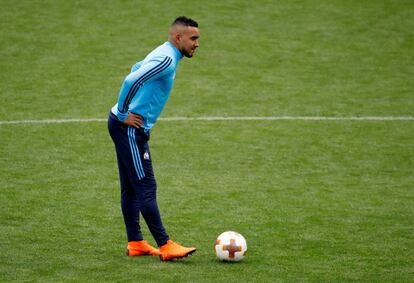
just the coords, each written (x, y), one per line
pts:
(138, 185)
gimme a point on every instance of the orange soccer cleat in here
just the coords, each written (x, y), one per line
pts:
(173, 250)
(138, 248)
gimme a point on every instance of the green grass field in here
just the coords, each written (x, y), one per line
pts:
(317, 200)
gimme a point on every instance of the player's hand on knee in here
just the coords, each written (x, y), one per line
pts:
(134, 120)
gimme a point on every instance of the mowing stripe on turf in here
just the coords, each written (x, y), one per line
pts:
(212, 118)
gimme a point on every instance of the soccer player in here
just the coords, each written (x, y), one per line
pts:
(141, 99)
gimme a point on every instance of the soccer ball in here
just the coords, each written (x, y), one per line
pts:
(230, 246)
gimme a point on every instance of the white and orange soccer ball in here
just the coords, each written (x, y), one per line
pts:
(230, 246)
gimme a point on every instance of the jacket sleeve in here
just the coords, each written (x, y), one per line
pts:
(136, 66)
(141, 73)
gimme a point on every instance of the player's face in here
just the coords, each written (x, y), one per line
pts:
(189, 41)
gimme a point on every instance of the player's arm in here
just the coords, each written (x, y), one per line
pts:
(134, 120)
(152, 70)
(136, 66)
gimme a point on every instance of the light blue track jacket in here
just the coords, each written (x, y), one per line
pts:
(146, 90)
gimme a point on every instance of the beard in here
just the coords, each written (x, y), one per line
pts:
(187, 53)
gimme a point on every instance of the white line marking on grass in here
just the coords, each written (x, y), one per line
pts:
(51, 121)
(207, 118)
(293, 118)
